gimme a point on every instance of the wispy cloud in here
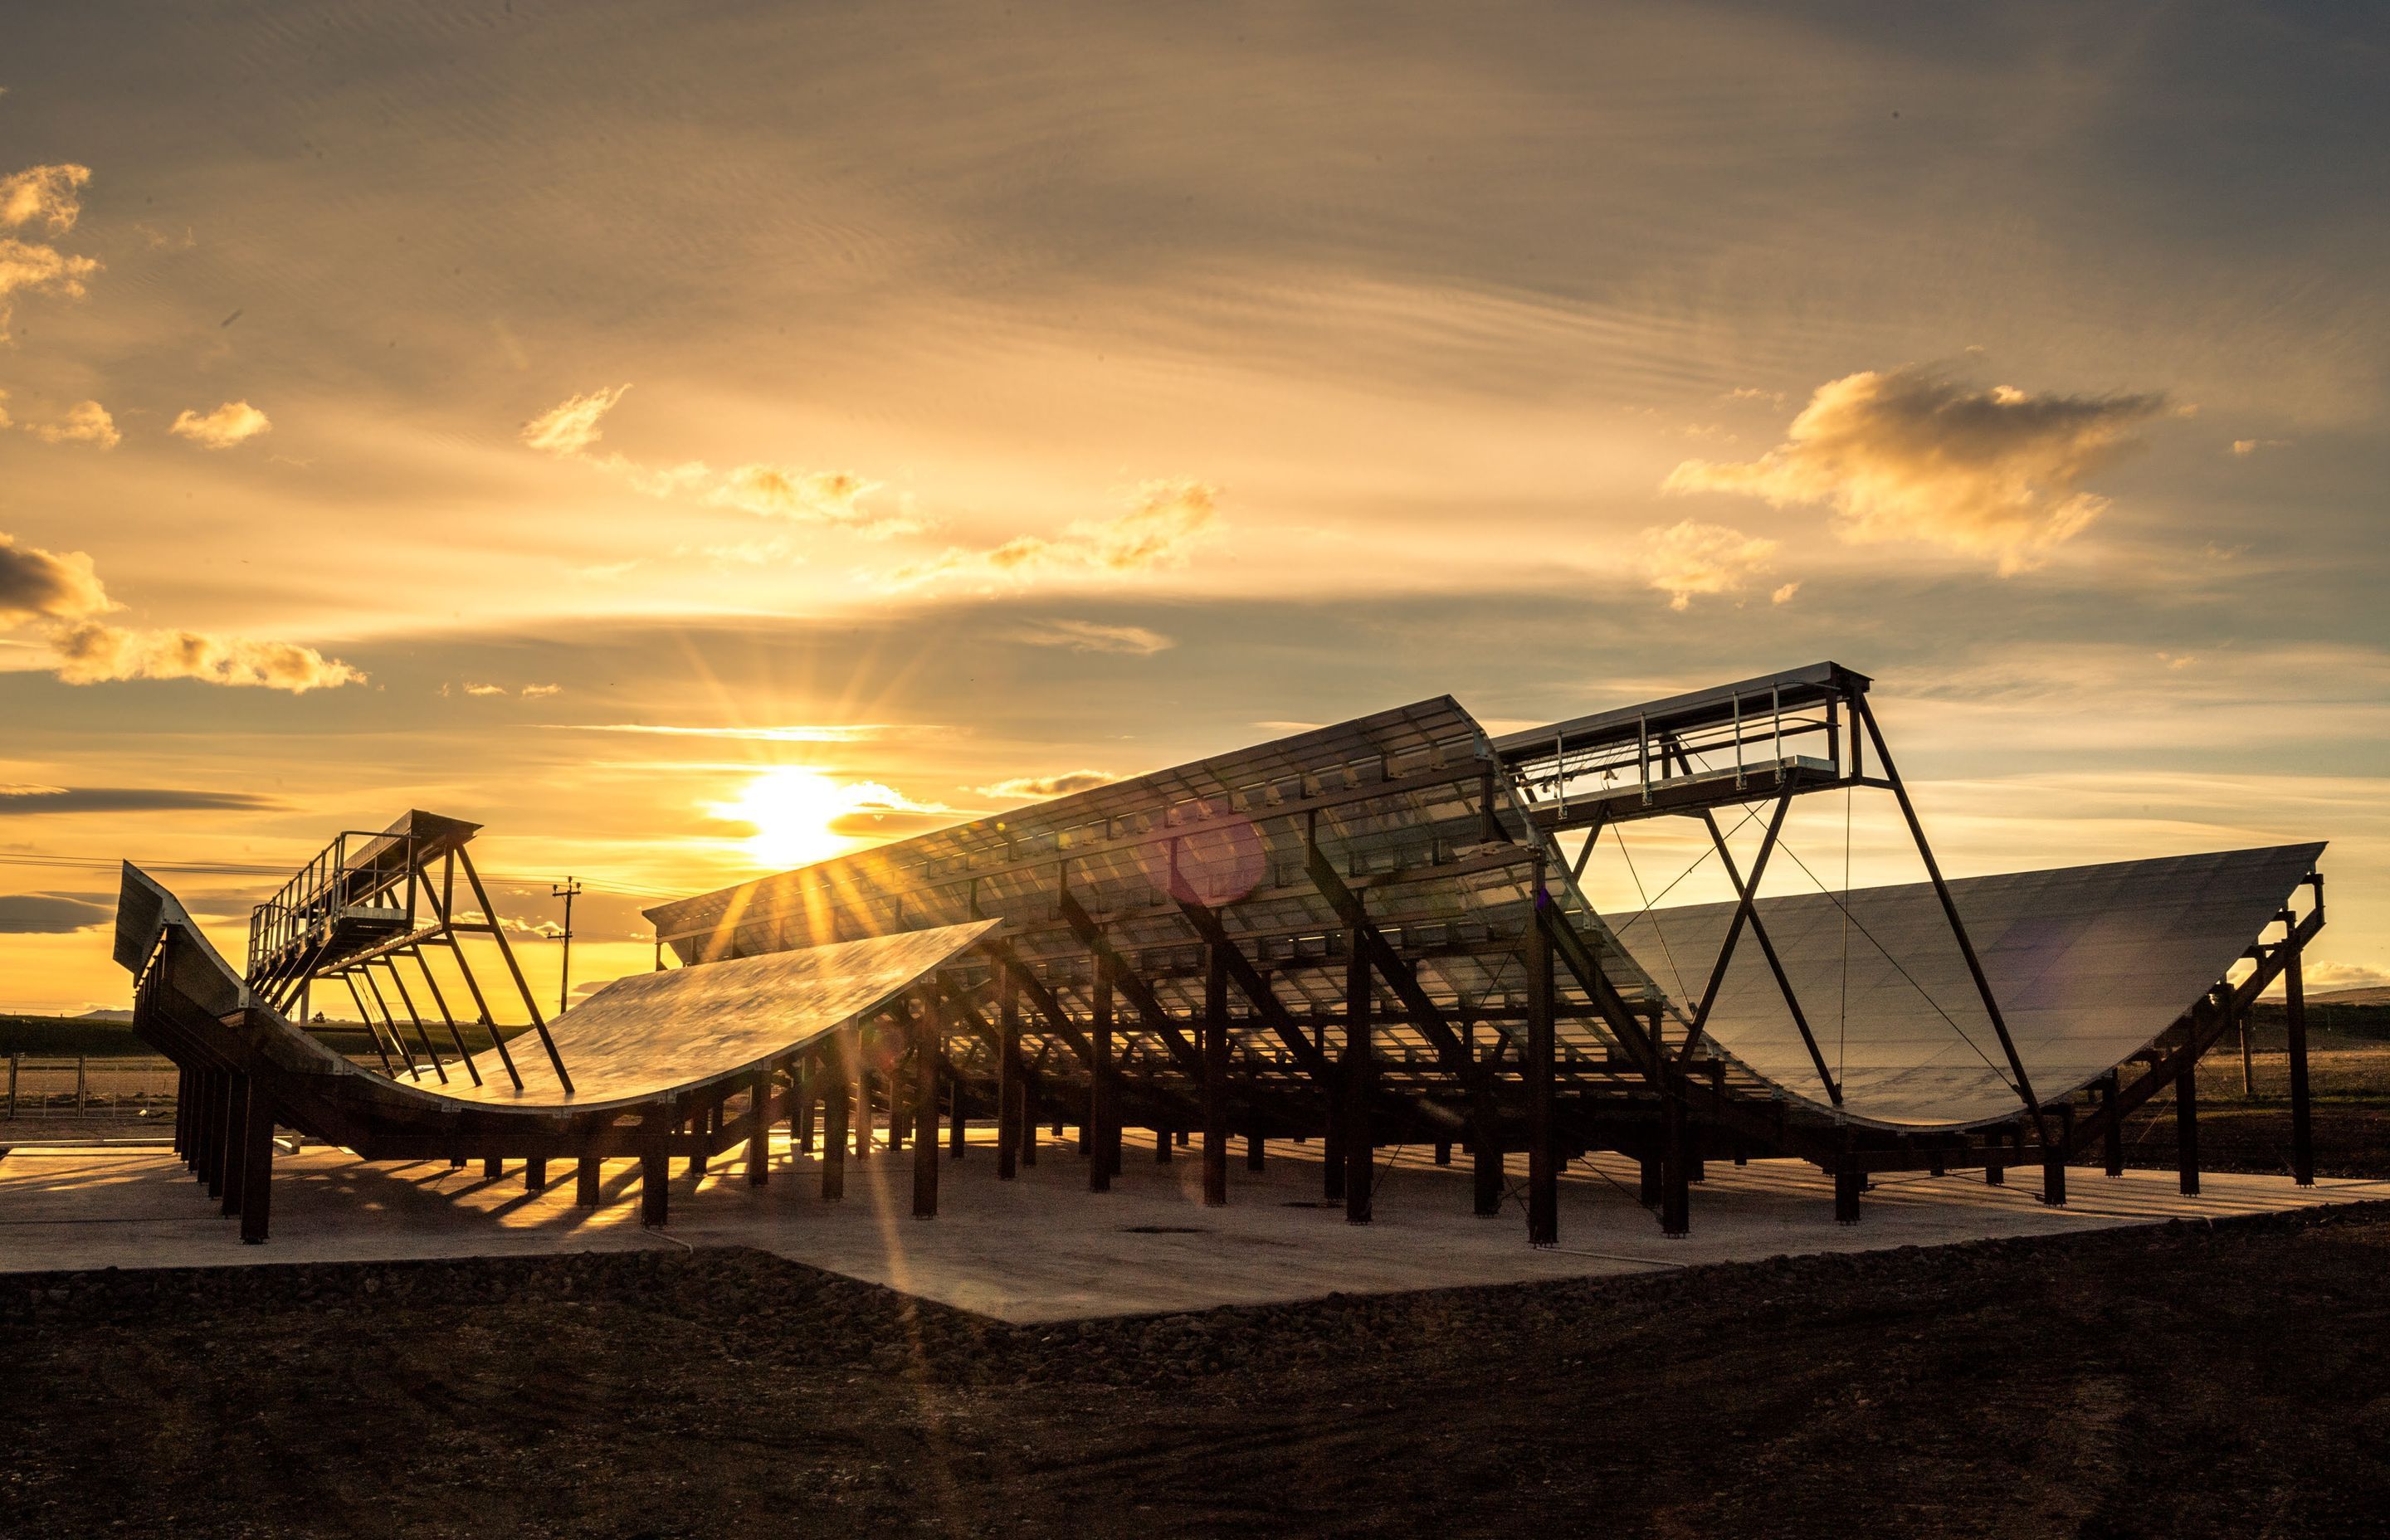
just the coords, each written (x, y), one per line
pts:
(234, 423)
(528, 692)
(1910, 454)
(1039, 788)
(1689, 558)
(572, 429)
(26, 801)
(571, 426)
(85, 422)
(1092, 636)
(801, 733)
(2246, 447)
(49, 913)
(1163, 524)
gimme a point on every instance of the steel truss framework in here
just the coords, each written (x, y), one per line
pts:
(1369, 935)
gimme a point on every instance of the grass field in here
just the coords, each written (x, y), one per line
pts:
(62, 1037)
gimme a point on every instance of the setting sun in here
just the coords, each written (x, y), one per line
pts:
(796, 810)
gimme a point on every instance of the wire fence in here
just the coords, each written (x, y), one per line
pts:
(82, 1087)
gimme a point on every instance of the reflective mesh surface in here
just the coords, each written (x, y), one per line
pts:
(2089, 965)
(660, 1032)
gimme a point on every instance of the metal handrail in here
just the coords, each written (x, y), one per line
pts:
(326, 888)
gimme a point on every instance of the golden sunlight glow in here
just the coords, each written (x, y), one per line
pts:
(795, 810)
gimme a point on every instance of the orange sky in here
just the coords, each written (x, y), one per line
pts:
(615, 423)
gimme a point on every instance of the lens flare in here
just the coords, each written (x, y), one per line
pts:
(795, 811)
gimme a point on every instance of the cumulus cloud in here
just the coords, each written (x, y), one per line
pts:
(62, 596)
(485, 689)
(1091, 636)
(1038, 787)
(571, 430)
(1910, 454)
(85, 422)
(541, 692)
(234, 423)
(2348, 978)
(37, 585)
(1164, 522)
(50, 196)
(89, 652)
(1689, 558)
(29, 268)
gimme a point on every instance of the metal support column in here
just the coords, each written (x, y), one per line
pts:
(230, 1100)
(236, 1168)
(2295, 1011)
(806, 1085)
(655, 1170)
(257, 1166)
(759, 1127)
(1848, 1185)
(838, 1089)
(1215, 1077)
(1676, 1162)
(1543, 1153)
(925, 1038)
(1102, 1107)
(1010, 1126)
(2053, 1157)
(858, 1108)
(1332, 1137)
(1359, 1083)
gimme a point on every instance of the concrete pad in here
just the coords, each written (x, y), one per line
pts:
(1043, 1247)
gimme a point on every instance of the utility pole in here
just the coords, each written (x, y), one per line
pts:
(564, 984)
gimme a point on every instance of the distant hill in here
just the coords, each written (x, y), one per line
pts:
(2372, 994)
(104, 1015)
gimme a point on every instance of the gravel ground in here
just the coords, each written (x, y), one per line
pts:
(2180, 1381)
